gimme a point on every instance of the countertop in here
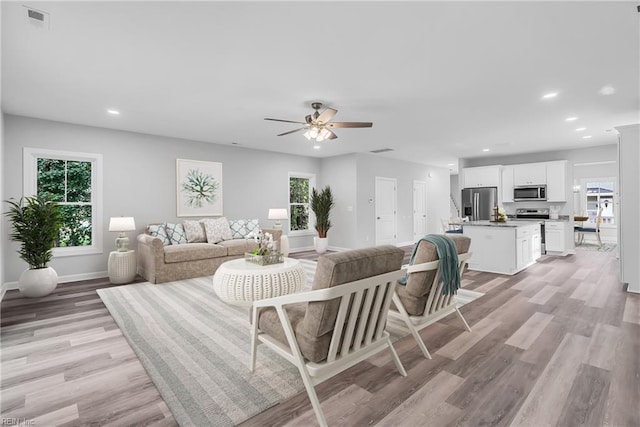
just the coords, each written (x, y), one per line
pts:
(512, 224)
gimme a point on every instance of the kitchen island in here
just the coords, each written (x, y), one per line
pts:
(503, 247)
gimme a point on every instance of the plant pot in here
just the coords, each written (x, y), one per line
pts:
(38, 282)
(320, 244)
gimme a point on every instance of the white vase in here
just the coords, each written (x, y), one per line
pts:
(38, 282)
(321, 244)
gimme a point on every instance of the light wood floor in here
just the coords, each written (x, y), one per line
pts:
(557, 344)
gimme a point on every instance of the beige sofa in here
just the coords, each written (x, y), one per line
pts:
(158, 263)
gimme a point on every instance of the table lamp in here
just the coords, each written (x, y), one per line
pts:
(278, 214)
(122, 224)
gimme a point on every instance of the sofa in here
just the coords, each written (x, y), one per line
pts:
(176, 251)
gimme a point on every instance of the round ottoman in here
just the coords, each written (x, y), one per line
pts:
(239, 282)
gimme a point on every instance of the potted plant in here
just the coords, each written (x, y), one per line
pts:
(36, 223)
(321, 204)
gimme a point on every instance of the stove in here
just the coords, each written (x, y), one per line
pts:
(529, 213)
(533, 214)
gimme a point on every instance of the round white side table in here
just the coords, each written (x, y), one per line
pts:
(122, 267)
(239, 282)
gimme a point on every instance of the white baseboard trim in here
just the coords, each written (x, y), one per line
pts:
(8, 286)
(405, 244)
(302, 249)
(337, 249)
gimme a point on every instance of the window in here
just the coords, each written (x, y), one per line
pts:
(300, 186)
(600, 194)
(72, 180)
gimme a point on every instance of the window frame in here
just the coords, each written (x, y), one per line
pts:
(312, 183)
(30, 181)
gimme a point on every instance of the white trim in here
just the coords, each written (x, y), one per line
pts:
(302, 249)
(337, 249)
(605, 162)
(29, 188)
(410, 243)
(312, 183)
(9, 286)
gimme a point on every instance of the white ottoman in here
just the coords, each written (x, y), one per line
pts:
(239, 282)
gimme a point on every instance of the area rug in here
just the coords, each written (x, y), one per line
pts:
(606, 247)
(195, 348)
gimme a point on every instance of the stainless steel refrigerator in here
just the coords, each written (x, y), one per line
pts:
(479, 203)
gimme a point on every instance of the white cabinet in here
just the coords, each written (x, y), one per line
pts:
(507, 184)
(530, 174)
(556, 181)
(485, 176)
(527, 246)
(558, 235)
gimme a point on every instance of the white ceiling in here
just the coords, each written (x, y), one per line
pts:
(440, 80)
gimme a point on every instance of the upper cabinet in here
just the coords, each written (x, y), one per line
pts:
(530, 174)
(556, 181)
(507, 184)
(485, 176)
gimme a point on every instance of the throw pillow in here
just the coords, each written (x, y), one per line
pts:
(253, 227)
(176, 233)
(194, 231)
(238, 228)
(158, 230)
(217, 230)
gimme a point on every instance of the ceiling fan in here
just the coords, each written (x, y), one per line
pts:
(318, 126)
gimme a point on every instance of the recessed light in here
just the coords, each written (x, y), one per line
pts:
(113, 112)
(570, 119)
(580, 129)
(550, 95)
(586, 137)
(485, 149)
(316, 147)
(450, 164)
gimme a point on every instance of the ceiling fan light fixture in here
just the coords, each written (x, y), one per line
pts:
(324, 134)
(307, 135)
(313, 132)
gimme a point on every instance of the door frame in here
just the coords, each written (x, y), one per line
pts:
(415, 238)
(395, 207)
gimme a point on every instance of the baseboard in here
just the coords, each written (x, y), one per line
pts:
(8, 286)
(303, 249)
(337, 249)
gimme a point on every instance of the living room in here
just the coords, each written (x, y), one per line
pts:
(57, 90)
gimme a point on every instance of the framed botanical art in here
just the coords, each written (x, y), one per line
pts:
(199, 189)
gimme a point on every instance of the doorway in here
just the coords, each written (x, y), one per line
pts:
(419, 210)
(385, 206)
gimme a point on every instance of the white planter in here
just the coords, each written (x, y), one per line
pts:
(38, 282)
(321, 244)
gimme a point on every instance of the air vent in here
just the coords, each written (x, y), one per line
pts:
(37, 18)
(382, 150)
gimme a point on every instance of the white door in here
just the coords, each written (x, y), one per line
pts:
(385, 211)
(419, 210)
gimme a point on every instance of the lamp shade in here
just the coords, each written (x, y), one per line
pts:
(278, 214)
(122, 223)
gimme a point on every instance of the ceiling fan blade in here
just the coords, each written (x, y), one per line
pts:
(326, 115)
(292, 131)
(350, 125)
(331, 135)
(286, 121)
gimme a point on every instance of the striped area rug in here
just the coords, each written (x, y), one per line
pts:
(196, 349)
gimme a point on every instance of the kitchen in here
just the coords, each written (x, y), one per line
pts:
(537, 199)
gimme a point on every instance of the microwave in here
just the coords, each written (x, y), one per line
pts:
(529, 192)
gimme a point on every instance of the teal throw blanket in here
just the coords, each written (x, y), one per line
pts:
(448, 254)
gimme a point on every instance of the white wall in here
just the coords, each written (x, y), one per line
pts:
(370, 166)
(630, 206)
(340, 174)
(140, 180)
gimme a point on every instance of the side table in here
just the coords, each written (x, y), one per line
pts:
(122, 266)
